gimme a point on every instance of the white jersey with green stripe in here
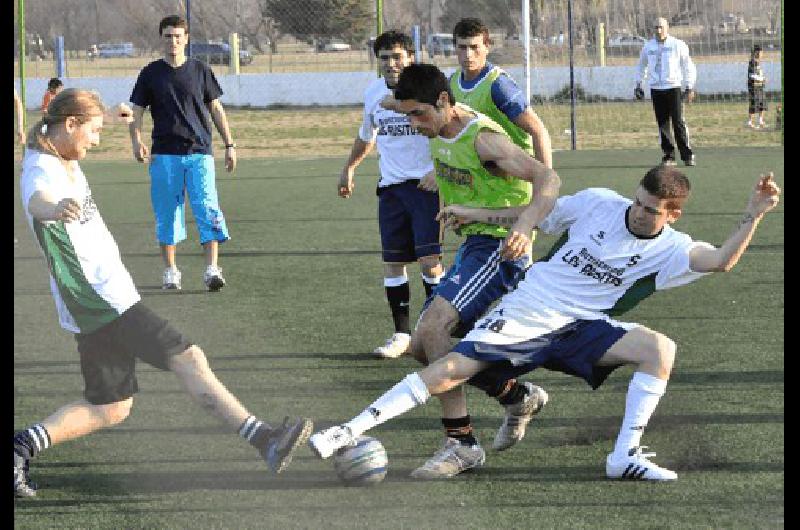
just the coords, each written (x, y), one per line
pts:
(599, 268)
(89, 282)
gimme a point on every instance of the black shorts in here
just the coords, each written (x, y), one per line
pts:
(757, 100)
(108, 355)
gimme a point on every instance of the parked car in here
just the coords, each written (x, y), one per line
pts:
(218, 53)
(332, 45)
(108, 50)
(440, 44)
(626, 41)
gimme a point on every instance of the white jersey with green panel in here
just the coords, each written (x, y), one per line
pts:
(90, 285)
(597, 270)
(479, 98)
(462, 178)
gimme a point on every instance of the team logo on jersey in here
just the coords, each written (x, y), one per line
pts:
(88, 208)
(445, 152)
(456, 279)
(395, 126)
(453, 175)
(597, 238)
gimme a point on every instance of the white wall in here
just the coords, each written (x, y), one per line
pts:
(347, 88)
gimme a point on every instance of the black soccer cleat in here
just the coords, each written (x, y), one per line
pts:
(281, 445)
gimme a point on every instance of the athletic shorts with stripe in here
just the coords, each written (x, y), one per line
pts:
(407, 222)
(108, 354)
(517, 339)
(478, 278)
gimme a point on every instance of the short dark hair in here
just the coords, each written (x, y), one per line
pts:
(54, 83)
(471, 27)
(176, 21)
(666, 182)
(424, 83)
(389, 39)
(756, 49)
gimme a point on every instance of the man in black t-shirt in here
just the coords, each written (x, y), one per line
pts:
(181, 92)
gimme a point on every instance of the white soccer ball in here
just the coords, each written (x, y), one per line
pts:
(364, 464)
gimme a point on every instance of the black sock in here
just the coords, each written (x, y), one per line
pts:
(429, 287)
(460, 429)
(399, 297)
(256, 432)
(31, 441)
(515, 393)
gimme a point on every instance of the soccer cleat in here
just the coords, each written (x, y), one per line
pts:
(171, 279)
(213, 278)
(23, 487)
(518, 416)
(327, 442)
(690, 161)
(751, 125)
(668, 160)
(636, 466)
(453, 458)
(395, 346)
(282, 444)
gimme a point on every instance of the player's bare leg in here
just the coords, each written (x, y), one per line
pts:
(275, 444)
(461, 450)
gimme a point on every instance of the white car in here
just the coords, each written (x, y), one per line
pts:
(336, 46)
(626, 41)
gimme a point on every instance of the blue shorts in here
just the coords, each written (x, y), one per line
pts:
(407, 222)
(478, 278)
(171, 178)
(573, 349)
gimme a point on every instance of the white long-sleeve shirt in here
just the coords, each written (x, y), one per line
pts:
(666, 64)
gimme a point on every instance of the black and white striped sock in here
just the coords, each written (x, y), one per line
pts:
(31, 441)
(256, 432)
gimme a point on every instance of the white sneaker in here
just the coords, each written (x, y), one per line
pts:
(171, 279)
(453, 458)
(213, 278)
(327, 442)
(636, 466)
(395, 346)
(518, 416)
(750, 124)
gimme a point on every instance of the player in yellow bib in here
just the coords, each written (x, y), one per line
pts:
(477, 166)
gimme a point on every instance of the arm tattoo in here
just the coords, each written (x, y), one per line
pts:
(502, 220)
(748, 218)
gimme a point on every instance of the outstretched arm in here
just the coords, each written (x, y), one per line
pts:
(496, 149)
(764, 198)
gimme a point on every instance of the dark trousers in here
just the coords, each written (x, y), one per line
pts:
(668, 105)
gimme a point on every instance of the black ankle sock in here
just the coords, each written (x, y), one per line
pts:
(31, 441)
(429, 287)
(460, 429)
(399, 297)
(515, 394)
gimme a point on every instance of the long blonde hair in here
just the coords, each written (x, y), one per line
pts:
(71, 102)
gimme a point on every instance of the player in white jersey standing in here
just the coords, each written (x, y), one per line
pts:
(97, 301)
(613, 253)
(407, 198)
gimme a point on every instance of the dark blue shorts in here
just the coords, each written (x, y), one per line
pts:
(573, 349)
(478, 278)
(407, 221)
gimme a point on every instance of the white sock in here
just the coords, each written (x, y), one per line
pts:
(401, 398)
(432, 280)
(644, 392)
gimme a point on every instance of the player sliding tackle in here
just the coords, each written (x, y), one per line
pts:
(615, 252)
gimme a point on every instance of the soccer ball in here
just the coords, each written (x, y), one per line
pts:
(364, 464)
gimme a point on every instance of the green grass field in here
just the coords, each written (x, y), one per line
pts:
(290, 335)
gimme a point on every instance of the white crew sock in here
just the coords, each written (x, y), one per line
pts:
(401, 398)
(644, 392)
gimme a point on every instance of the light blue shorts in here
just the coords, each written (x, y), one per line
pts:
(172, 177)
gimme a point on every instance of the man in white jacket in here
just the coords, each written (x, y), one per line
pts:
(666, 65)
